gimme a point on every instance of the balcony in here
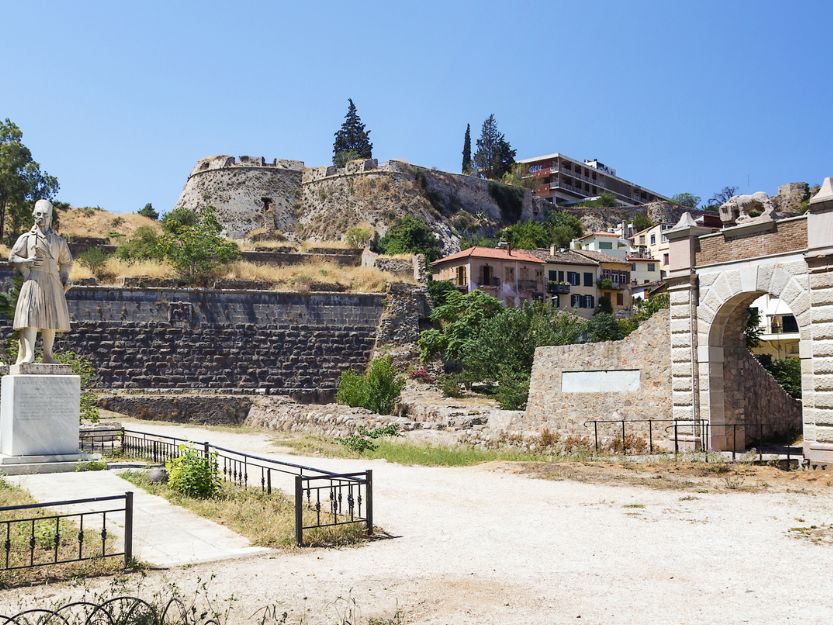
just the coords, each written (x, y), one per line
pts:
(556, 288)
(489, 282)
(528, 285)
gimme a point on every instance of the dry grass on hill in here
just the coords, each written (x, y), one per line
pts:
(95, 222)
(283, 278)
(301, 277)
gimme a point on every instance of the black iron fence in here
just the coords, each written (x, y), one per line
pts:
(32, 538)
(638, 436)
(322, 498)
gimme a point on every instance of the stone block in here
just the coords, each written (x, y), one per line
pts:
(817, 365)
(823, 280)
(705, 314)
(821, 297)
(681, 340)
(681, 384)
(39, 414)
(680, 326)
(749, 279)
(680, 297)
(820, 348)
(764, 276)
(680, 354)
(823, 400)
(801, 304)
(679, 398)
(820, 313)
(706, 279)
(681, 370)
(709, 353)
(791, 291)
(778, 281)
(680, 311)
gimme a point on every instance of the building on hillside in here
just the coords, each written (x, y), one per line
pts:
(510, 275)
(606, 242)
(646, 290)
(614, 280)
(571, 280)
(653, 243)
(565, 180)
(779, 328)
(644, 270)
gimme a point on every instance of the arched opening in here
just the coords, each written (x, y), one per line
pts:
(741, 401)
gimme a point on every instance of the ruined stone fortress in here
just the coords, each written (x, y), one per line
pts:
(254, 197)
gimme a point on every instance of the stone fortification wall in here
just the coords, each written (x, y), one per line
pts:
(248, 193)
(564, 410)
(287, 343)
(743, 242)
(454, 205)
(597, 219)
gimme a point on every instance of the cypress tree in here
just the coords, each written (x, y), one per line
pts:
(351, 140)
(494, 156)
(467, 150)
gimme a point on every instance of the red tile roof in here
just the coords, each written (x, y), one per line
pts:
(491, 252)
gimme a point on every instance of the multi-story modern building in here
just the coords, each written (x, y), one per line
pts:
(779, 330)
(510, 275)
(565, 180)
(644, 270)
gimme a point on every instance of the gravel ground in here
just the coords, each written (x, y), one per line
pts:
(483, 545)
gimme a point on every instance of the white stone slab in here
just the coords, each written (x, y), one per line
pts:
(39, 415)
(609, 381)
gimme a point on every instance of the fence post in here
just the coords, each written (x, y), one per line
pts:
(128, 527)
(205, 447)
(676, 441)
(368, 492)
(650, 436)
(299, 510)
(760, 441)
(121, 433)
(596, 434)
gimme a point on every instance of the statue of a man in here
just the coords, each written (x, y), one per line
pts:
(44, 260)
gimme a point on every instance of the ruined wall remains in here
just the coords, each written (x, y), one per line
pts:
(643, 355)
(279, 343)
(248, 194)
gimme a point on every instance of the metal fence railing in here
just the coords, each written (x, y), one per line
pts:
(637, 436)
(322, 498)
(32, 538)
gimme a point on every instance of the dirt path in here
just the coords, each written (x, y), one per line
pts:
(477, 545)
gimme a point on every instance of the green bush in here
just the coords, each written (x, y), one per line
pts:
(438, 291)
(410, 236)
(358, 236)
(377, 390)
(451, 384)
(512, 390)
(144, 245)
(363, 438)
(510, 200)
(94, 259)
(193, 474)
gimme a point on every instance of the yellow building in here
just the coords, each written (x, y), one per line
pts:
(653, 243)
(571, 280)
(614, 280)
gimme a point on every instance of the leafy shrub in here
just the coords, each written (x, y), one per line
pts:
(787, 371)
(363, 438)
(438, 291)
(422, 374)
(512, 390)
(194, 245)
(358, 236)
(377, 390)
(410, 236)
(193, 474)
(143, 246)
(451, 385)
(94, 259)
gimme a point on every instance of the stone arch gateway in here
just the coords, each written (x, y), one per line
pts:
(714, 277)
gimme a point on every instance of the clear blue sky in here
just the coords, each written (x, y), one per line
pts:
(118, 100)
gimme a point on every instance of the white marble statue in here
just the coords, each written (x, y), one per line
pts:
(736, 209)
(44, 260)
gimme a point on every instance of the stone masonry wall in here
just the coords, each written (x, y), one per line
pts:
(789, 235)
(279, 343)
(645, 349)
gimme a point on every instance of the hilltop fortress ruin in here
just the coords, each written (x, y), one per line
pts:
(255, 197)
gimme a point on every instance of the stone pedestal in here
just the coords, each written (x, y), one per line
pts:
(40, 419)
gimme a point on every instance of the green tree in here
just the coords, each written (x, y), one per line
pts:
(564, 227)
(527, 235)
(143, 245)
(459, 321)
(198, 250)
(752, 330)
(410, 235)
(352, 136)
(358, 236)
(467, 151)
(494, 156)
(21, 182)
(377, 390)
(602, 326)
(438, 291)
(641, 222)
(688, 200)
(149, 212)
(517, 176)
(180, 217)
(605, 200)
(342, 158)
(723, 196)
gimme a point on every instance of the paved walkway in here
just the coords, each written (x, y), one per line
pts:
(163, 534)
